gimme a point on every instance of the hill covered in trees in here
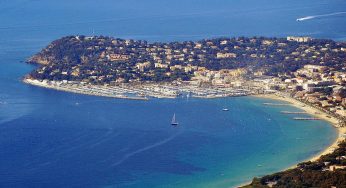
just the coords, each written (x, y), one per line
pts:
(105, 59)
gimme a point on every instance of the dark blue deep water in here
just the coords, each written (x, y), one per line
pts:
(55, 139)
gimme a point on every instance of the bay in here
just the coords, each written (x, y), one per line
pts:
(55, 139)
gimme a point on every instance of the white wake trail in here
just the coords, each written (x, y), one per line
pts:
(127, 156)
(319, 16)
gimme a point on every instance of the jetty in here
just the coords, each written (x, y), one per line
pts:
(291, 112)
(275, 104)
(306, 118)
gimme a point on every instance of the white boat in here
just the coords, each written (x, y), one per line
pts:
(174, 122)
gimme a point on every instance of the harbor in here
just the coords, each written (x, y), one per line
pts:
(140, 91)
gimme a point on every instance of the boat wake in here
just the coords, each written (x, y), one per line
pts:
(319, 16)
(127, 156)
(106, 138)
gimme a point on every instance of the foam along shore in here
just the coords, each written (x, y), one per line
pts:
(316, 113)
(139, 91)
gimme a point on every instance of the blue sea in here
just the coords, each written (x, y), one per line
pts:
(50, 138)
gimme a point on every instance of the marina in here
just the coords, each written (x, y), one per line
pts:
(141, 91)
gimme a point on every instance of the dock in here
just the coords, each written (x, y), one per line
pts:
(275, 104)
(290, 112)
(306, 118)
(139, 91)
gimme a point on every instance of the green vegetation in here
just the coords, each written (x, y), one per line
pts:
(106, 60)
(328, 171)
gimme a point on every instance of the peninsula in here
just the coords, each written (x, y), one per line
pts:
(310, 73)
(210, 68)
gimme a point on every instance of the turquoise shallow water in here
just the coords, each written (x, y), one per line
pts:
(55, 139)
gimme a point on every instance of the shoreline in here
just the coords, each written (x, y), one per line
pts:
(341, 131)
(139, 91)
(39, 84)
(317, 114)
(308, 109)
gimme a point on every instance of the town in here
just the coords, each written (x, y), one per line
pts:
(105, 60)
(312, 71)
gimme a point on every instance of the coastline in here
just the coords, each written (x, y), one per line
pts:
(139, 91)
(308, 109)
(44, 85)
(315, 113)
(341, 131)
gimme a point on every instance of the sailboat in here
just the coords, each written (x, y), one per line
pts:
(174, 122)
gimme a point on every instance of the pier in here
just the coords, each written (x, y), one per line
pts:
(275, 104)
(290, 112)
(306, 118)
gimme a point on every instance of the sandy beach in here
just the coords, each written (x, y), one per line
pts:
(316, 113)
